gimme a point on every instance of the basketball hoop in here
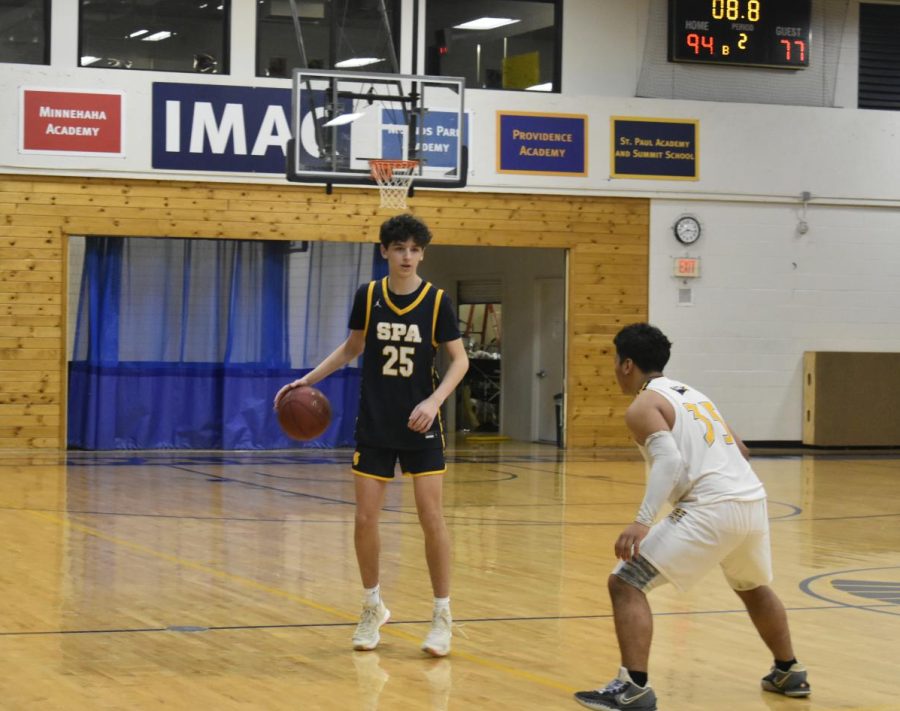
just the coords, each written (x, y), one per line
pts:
(394, 177)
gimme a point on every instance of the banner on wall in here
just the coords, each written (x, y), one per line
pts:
(654, 148)
(436, 140)
(220, 128)
(71, 122)
(542, 144)
(245, 129)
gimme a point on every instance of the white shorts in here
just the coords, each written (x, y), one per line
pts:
(689, 541)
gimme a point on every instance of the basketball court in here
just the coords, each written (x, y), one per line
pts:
(228, 580)
(148, 576)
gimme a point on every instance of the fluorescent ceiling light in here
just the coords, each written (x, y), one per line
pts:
(157, 36)
(486, 23)
(342, 119)
(86, 60)
(137, 33)
(546, 86)
(358, 61)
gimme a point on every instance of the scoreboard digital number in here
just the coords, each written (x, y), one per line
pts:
(760, 33)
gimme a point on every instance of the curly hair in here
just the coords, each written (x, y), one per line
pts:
(403, 227)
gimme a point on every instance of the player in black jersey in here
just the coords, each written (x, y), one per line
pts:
(398, 322)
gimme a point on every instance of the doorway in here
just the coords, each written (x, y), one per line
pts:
(478, 398)
(549, 359)
(507, 279)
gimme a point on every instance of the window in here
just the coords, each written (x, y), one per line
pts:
(24, 31)
(163, 35)
(879, 57)
(495, 44)
(360, 35)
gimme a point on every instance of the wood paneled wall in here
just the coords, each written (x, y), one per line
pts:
(607, 239)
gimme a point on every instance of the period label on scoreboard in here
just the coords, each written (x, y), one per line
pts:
(762, 33)
(654, 148)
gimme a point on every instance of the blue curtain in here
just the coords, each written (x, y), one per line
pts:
(183, 343)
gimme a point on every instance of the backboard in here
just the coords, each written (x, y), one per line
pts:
(342, 119)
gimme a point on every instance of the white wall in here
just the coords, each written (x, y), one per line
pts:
(603, 45)
(766, 294)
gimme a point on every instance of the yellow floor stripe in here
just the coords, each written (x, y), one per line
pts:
(392, 631)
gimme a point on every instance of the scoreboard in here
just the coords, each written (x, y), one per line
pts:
(761, 33)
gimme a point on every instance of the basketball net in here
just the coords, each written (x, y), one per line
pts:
(394, 178)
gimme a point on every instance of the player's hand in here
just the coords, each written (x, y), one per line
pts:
(628, 544)
(302, 382)
(423, 415)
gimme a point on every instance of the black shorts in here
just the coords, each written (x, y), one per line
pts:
(378, 463)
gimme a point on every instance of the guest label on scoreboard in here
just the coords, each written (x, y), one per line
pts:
(654, 148)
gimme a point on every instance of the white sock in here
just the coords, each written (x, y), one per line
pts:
(442, 603)
(372, 596)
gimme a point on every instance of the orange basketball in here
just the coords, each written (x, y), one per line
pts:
(304, 413)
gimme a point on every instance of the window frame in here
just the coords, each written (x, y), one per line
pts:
(48, 8)
(395, 18)
(224, 64)
(420, 21)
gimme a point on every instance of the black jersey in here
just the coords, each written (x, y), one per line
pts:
(402, 333)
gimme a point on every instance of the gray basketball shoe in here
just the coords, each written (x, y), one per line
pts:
(790, 683)
(621, 694)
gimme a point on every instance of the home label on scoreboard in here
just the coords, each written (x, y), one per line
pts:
(761, 33)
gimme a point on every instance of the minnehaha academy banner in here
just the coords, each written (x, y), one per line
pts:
(67, 122)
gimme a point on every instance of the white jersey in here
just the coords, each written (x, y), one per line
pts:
(714, 468)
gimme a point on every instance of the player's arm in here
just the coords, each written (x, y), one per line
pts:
(742, 448)
(423, 414)
(646, 418)
(350, 349)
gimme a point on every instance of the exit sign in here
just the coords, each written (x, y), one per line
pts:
(687, 267)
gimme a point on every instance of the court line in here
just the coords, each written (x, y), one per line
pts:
(278, 592)
(461, 520)
(394, 623)
(264, 487)
(267, 475)
(806, 587)
(387, 629)
(342, 456)
(796, 511)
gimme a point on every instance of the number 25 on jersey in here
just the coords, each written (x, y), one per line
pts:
(399, 360)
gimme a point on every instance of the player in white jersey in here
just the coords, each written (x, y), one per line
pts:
(697, 464)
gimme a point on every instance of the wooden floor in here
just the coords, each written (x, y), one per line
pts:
(228, 581)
